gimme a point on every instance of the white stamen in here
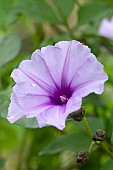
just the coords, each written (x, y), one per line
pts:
(63, 99)
(33, 85)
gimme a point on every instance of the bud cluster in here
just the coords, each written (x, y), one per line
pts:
(82, 157)
(79, 114)
(99, 135)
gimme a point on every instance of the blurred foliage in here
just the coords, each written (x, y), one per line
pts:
(97, 11)
(9, 46)
(28, 25)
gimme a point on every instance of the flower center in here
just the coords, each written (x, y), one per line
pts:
(63, 99)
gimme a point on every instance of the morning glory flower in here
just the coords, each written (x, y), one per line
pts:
(106, 28)
(52, 84)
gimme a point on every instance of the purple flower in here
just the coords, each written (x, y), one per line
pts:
(52, 84)
(106, 28)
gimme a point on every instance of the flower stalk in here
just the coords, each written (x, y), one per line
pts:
(86, 125)
(101, 144)
(105, 148)
(91, 147)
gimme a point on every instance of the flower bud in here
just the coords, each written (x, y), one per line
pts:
(99, 135)
(79, 114)
(82, 157)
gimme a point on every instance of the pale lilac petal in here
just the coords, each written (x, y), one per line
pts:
(30, 88)
(86, 89)
(53, 59)
(53, 116)
(75, 56)
(52, 84)
(14, 110)
(33, 112)
(41, 76)
(65, 46)
(106, 28)
(18, 76)
(62, 61)
(14, 117)
(56, 115)
(22, 87)
(30, 101)
(73, 104)
(90, 72)
(27, 105)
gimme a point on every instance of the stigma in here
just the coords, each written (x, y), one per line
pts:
(63, 99)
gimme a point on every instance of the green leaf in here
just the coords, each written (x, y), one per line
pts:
(7, 16)
(72, 141)
(9, 48)
(112, 139)
(108, 165)
(94, 124)
(65, 6)
(10, 135)
(55, 39)
(28, 123)
(93, 12)
(107, 43)
(110, 130)
(4, 102)
(37, 10)
(103, 1)
(107, 61)
(2, 162)
(94, 100)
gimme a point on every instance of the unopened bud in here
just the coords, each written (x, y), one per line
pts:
(82, 157)
(79, 114)
(99, 135)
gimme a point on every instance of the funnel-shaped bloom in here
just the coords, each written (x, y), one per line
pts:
(52, 84)
(106, 28)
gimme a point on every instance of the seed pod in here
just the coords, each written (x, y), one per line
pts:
(82, 157)
(79, 114)
(99, 135)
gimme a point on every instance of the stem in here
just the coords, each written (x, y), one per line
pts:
(78, 3)
(25, 150)
(110, 49)
(103, 145)
(69, 31)
(106, 149)
(87, 127)
(63, 20)
(91, 147)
